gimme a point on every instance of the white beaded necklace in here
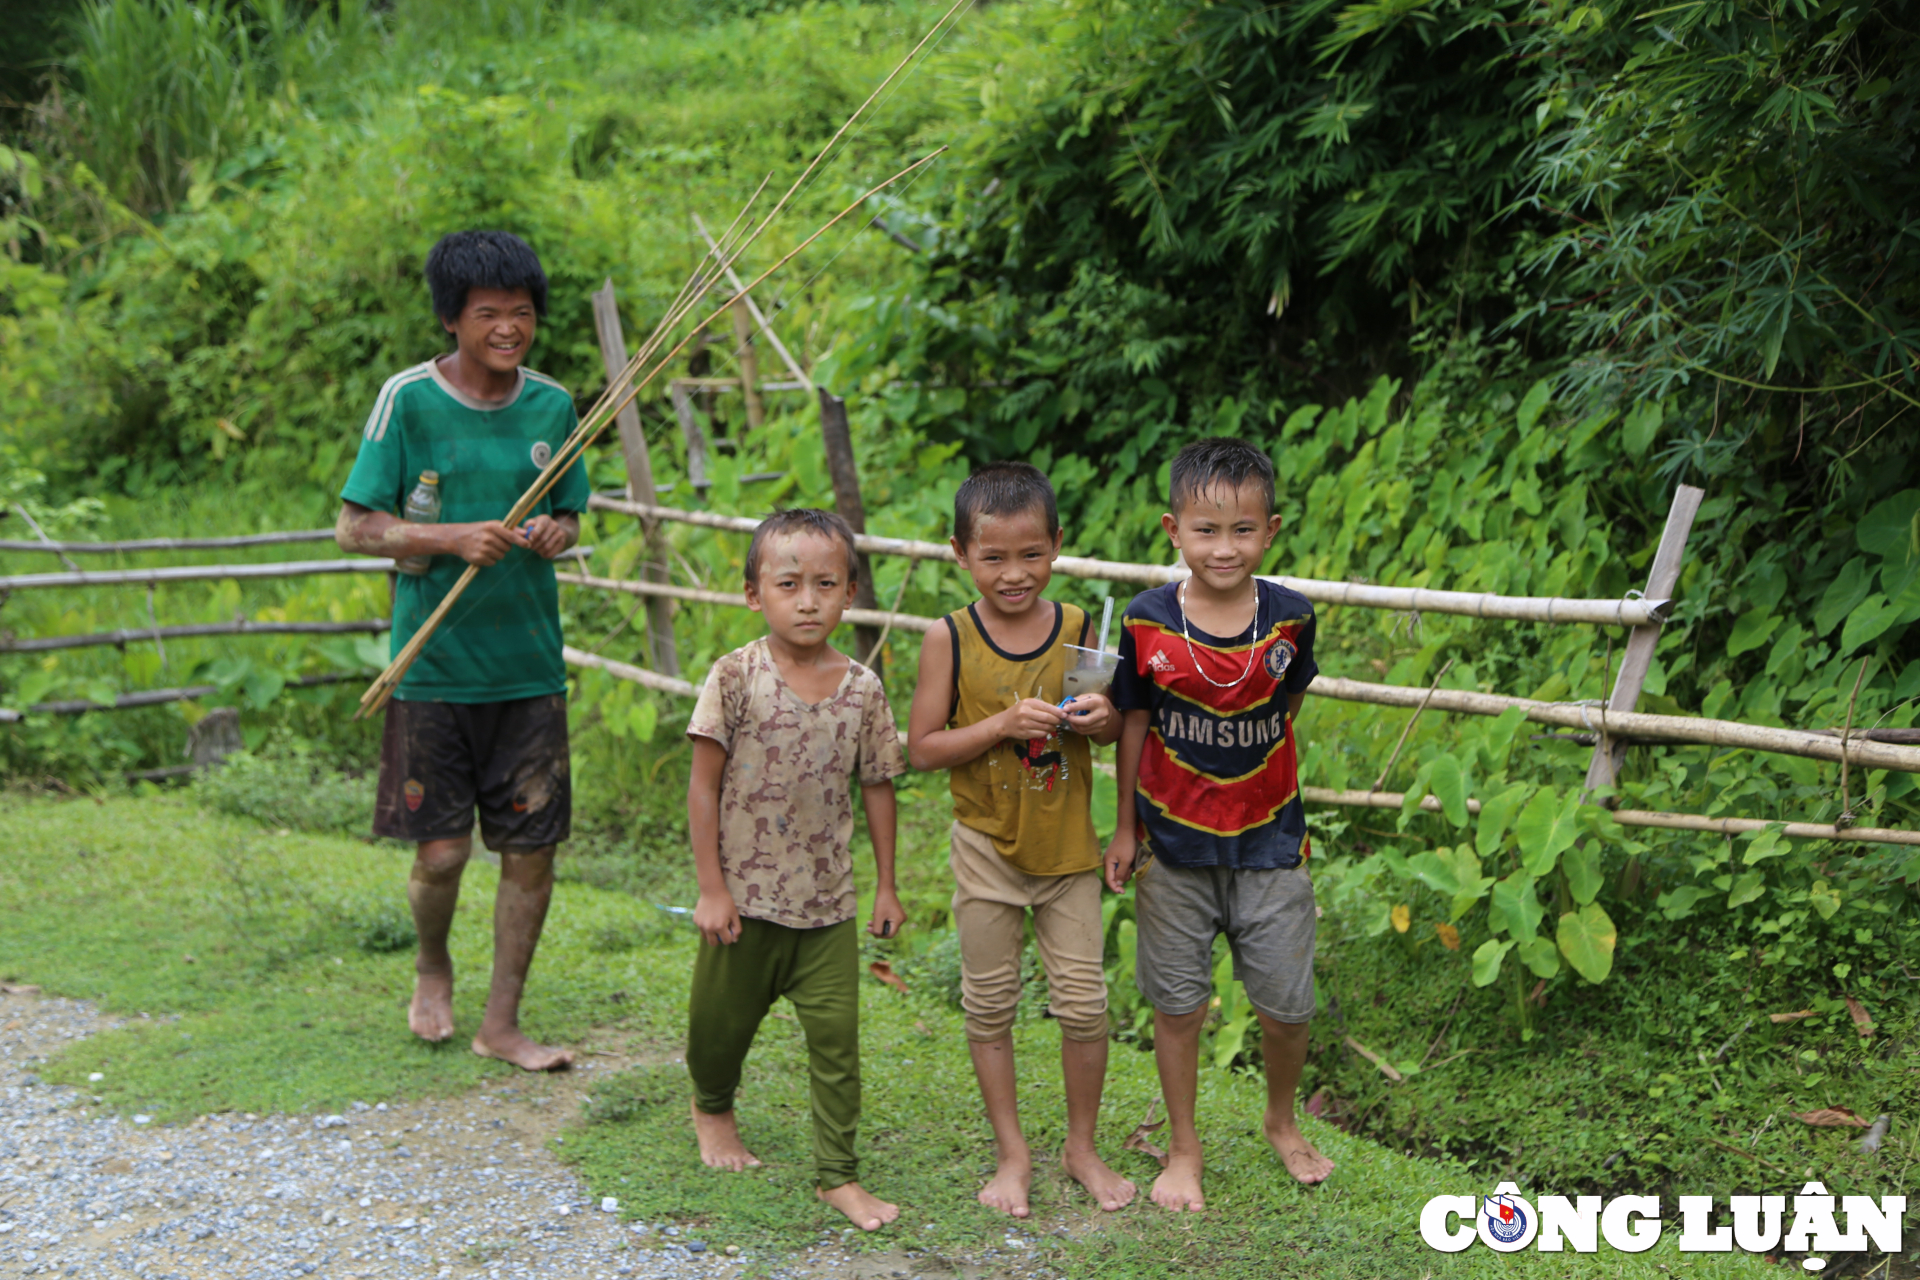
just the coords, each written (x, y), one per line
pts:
(1253, 638)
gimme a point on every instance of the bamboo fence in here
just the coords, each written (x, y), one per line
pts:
(1472, 604)
(157, 697)
(214, 572)
(239, 627)
(278, 539)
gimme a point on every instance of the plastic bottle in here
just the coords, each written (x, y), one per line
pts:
(423, 507)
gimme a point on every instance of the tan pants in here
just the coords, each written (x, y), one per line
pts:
(991, 898)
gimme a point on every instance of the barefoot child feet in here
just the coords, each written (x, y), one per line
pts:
(480, 721)
(1213, 671)
(1022, 838)
(784, 730)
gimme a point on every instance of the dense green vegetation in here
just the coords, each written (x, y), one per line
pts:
(1489, 279)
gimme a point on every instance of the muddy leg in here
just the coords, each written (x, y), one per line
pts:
(433, 891)
(519, 913)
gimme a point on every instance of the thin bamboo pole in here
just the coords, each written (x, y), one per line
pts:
(240, 628)
(1695, 729)
(215, 572)
(858, 617)
(627, 671)
(154, 698)
(1639, 818)
(1627, 613)
(174, 544)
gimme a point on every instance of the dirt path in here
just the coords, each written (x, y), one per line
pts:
(454, 1187)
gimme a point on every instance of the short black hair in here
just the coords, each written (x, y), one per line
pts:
(828, 524)
(1215, 461)
(465, 260)
(1003, 489)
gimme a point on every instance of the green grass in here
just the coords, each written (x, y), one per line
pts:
(284, 1006)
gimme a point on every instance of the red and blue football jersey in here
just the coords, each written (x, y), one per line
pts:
(1219, 775)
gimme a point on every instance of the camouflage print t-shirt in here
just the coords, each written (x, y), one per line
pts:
(786, 798)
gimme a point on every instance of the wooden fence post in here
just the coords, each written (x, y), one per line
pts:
(633, 444)
(1662, 579)
(690, 430)
(846, 500)
(749, 362)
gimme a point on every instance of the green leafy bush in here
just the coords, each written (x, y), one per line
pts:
(288, 789)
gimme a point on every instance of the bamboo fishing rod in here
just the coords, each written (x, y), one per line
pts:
(381, 690)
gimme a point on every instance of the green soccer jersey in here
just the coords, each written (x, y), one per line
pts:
(502, 638)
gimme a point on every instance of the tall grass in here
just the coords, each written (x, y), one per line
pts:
(171, 88)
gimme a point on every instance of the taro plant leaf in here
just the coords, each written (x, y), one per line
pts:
(1824, 898)
(1401, 916)
(1678, 904)
(1498, 740)
(262, 687)
(1586, 939)
(1496, 815)
(1582, 865)
(1752, 629)
(1515, 906)
(1540, 955)
(1486, 960)
(1449, 782)
(1842, 596)
(1546, 828)
(1767, 844)
(1471, 886)
(1435, 871)
(1747, 886)
(1868, 622)
(1887, 528)
(642, 718)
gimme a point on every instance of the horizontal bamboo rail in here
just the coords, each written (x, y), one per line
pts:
(240, 628)
(859, 617)
(1652, 728)
(1717, 733)
(1617, 613)
(215, 572)
(280, 538)
(627, 671)
(154, 698)
(1394, 799)
(1639, 818)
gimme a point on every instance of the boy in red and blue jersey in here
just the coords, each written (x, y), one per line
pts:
(1213, 670)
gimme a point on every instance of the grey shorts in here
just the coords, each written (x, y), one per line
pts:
(1268, 917)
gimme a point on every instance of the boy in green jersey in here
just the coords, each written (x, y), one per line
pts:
(480, 721)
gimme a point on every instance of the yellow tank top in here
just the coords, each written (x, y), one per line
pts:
(1034, 800)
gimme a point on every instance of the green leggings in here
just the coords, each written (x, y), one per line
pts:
(734, 984)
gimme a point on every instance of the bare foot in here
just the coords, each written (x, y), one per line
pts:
(863, 1209)
(1178, 1186)
(1008, 1190)
(431, 1014)
(1302, 1158)
(513, 1046)
(720, 1145)
(1107, 1187)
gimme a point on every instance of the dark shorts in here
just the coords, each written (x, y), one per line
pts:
(439, 761)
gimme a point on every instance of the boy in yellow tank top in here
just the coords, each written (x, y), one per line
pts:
(986, 708)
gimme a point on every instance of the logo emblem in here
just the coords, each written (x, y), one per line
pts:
(542, 454)
(1507, 1222)
(414, 793)
(1160, 661)
(1280, 657)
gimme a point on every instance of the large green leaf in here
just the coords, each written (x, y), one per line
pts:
(1541, 956)
(1434, 871)
(1678, 904)
(1582, 865)
(1641, 426)
(1888, 529)
(1751, 629)
(1747, 886)
(1496, 815)
(1486, 960)
(1868, 622)
(1515, 906)
(1824, 898)
(1768, 844)
(1847, 590)
(1586, 939)
(1449, 783)
(1546, 828)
